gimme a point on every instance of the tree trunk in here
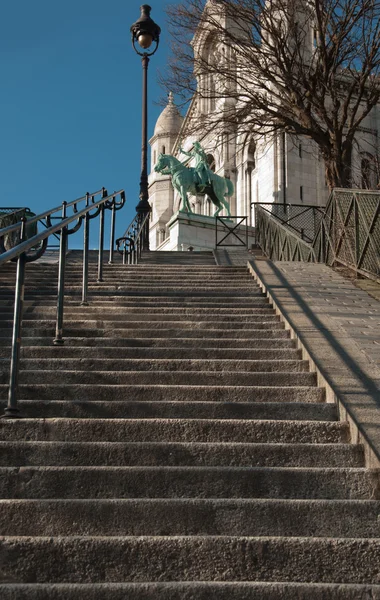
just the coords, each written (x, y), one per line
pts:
(338, 168)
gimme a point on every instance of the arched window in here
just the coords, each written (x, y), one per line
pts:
(163, 150)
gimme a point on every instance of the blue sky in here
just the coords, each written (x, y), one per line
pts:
(70, 102)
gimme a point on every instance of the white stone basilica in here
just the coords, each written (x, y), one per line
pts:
(281, 170)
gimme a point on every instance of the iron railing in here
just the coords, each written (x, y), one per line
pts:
(345, 232)
(278, 240)
(234, 231)
(30, 249)
(349, 233)
(303, 220)
(135, 239)
(10, 216)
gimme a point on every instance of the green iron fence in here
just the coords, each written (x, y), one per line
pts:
(286, 231)
(10, 216)
(349, 233)
(345, 232)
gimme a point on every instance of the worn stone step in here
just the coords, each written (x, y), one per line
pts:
(192, 590)
(188, 482)
(67, 351)
(179, 393)
(122, 300)
(201, 517)
(95, 365)
(120, 275)
(164, 295)
(155, 342)
(91, 319)
(295, 411)
(157, 322)
(44, 312)
(247, 333)
(180, 377)
(174, 430)
(224, 288)
(119, 284)
(120, 559)
(213, 454)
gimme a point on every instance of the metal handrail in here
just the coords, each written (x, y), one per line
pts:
(347, 232)
(289, 220)
(47, 214)
(134, 240)
(39, 237)
(21, 254)
(284, 244)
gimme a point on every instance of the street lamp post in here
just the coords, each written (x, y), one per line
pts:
(145, 32)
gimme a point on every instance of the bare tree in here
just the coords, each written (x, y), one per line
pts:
(303, 67)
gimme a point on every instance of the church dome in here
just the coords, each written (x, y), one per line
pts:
(170, 120)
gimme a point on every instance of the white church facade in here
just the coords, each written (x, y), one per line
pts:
(283, 169)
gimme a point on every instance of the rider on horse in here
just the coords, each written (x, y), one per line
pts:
(201, 168)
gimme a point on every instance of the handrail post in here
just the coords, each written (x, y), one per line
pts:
(86, 241)
(58, 340)
(112, 235)
(12, 411)
(101, 240)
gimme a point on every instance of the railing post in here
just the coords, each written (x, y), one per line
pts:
(112, 235)
(86, 241)
(58, 340)
(12, 411)
(101, 240)
(357, 237)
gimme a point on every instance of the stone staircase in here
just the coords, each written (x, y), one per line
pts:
(176, 447)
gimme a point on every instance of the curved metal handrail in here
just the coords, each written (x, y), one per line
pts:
(37, 243)
(32, 242)
(48, 213)
(134, 240)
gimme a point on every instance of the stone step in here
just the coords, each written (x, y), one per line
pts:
(119, 559)
(142, 333)
(136, 312)
(67, 351)
(156, 322)
(189, 517)
(126, 286)
(175, 430)
(181, 377)
(187, 454)
(178, 393)
(295, 411)
(154, 342)
(122, 301)
(192, 590)
(220, 284)
(95, 365)
(141, 277)
(118, 266)
(188, 482)
(99, 318)
(214, 295)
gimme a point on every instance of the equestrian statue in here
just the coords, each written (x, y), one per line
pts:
(197, 180)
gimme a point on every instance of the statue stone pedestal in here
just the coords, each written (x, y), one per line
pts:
(198, 231)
